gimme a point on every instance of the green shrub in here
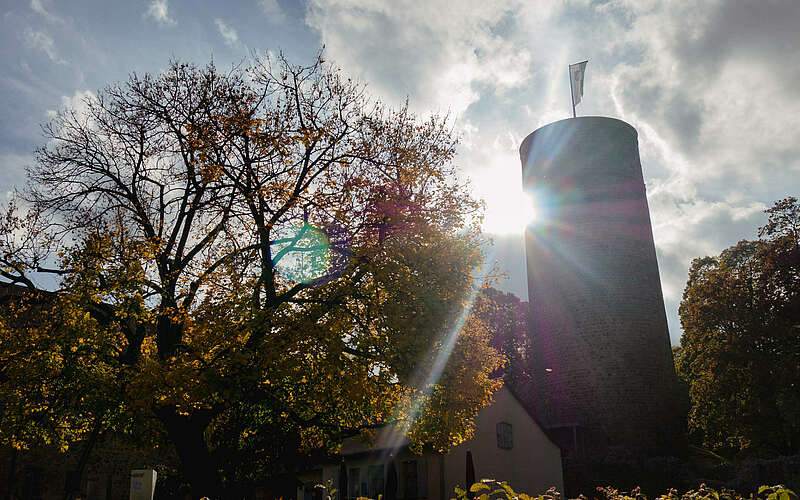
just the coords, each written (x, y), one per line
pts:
(490, 489)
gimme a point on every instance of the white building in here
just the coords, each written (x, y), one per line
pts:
(509, 445)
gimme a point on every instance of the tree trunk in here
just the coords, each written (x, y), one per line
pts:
(85, 453)
(187, 433)
(12, 468)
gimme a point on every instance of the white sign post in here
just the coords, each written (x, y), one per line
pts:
(143, 484)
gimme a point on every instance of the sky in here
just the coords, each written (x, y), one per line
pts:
(713, 88)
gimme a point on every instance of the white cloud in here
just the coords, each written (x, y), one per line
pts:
(44, 42)
(438, 52)
(159, 11)
(272, 10)
(12, 175)
(38, 7)
(77, 102)
(228, 33)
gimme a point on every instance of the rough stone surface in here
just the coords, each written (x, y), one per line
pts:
(601, 345)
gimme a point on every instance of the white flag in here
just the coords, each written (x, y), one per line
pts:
(576, 72)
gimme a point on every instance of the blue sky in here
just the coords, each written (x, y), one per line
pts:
(713, 88)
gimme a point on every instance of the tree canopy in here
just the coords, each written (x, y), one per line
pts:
(250, 262)
(507, 317)
(740, 350)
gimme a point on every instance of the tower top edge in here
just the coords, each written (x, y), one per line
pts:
(599, 122)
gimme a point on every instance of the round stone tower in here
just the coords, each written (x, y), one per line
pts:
(604, 377)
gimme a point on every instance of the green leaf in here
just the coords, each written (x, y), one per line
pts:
(478, 487)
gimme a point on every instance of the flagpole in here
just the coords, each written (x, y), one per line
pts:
(571, 94)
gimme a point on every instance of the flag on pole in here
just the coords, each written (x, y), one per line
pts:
(576, 73)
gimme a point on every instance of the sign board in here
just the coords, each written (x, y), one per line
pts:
(143, 484)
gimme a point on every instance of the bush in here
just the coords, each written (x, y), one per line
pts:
(489, 489)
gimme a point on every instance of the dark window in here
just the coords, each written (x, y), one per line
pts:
(312, 490)
(411, 480)
(415, 479)
(505, 436)
(353, 481)
(375, 481)
(422, 478)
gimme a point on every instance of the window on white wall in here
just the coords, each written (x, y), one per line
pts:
(505, 436)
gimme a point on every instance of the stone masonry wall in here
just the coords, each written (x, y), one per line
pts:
(601, 346)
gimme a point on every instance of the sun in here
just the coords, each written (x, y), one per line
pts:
(509, 212)
(508, 208)
(498, 182)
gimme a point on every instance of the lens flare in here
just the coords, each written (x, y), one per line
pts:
(310, 255)
(396, 437)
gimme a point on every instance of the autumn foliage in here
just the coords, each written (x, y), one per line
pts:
(250, 264)
(740, 350)
(491, 489)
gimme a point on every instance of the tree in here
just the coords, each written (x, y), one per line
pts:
(507, 317)
(255, 250)
(55, 382)
(740, 350)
